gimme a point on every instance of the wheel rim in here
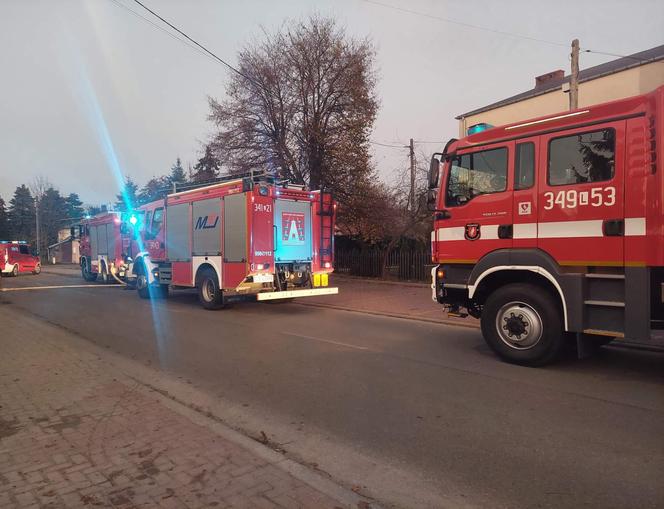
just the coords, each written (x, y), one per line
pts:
(141, 282)
(38, 269)
(208, 290)
(15, 271)
(519, 326)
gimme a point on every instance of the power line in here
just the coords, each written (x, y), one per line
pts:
(503, 32)
(387, 145)
(463, 23)
(219, 59)
(155, 25)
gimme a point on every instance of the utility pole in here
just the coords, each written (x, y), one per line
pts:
(412, 175)
(37, 224)
(574, 77)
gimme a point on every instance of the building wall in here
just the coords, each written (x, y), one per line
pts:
(627, 83)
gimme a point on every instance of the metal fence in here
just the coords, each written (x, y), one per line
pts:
(403, 264)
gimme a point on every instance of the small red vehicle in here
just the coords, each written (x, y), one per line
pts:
(16, 258)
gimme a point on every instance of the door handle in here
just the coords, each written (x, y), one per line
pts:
(613, 227)
(505, 231)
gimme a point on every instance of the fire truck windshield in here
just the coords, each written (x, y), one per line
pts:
(476, 173)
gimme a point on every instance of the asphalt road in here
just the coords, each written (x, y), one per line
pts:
(416, 414)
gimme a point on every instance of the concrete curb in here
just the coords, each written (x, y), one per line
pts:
(442, 321)
(379, 281)
(297, 470)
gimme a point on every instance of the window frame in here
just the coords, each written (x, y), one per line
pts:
(597, 130)
(152, 222)
(517, 159)
(506, 148)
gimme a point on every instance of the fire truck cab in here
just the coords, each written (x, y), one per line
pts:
(237, 240)
(552, 228)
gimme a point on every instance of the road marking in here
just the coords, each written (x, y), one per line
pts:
(326, 341)
(18, 289)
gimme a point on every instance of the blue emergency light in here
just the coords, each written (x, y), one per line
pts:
(133, 219)
(478, 128)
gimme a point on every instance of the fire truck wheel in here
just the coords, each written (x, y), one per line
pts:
(209, 294)
(85, 272)
(37, 269)
(15, 271)
(523, 324)
(142, 286)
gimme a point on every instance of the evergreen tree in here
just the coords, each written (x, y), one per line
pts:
(22, 214)
(127, 198)
(4, 221)
(53, 212)
(74, 206)
(207, 167)
(155, 188)
(92, 210)
(178, 176)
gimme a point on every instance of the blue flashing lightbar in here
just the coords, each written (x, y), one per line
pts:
(478, 128)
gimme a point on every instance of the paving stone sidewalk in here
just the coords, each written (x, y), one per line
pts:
(74, 433)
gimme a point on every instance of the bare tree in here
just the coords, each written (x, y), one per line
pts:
(302, 109)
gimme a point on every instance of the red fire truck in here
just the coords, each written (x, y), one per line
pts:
(552, 229)
(237, 240)
(106, 246)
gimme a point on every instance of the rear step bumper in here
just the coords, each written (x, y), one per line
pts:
(290, 294)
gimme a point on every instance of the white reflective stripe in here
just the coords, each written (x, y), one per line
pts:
(525, 230)
(575, 229)
(455, 233)
(635, 226)
(489, 232)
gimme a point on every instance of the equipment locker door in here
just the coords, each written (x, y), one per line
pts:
(292, 221)
(581, 196)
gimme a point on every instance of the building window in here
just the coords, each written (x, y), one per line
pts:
(524, 167)
(581, 158)
(475, 174)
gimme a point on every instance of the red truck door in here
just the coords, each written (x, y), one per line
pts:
(581, 220)
(477, 204)
(25, 259)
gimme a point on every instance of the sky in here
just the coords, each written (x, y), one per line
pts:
(90, 92)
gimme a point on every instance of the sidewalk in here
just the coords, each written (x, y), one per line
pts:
(373, 296)
(75, 431)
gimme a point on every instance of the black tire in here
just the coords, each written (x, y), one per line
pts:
(15, 271)
(209, 294)
(37, 269)
(531, 325)
(142, 287)
(85, 272)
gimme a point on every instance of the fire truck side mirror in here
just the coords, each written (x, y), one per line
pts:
(434, 172)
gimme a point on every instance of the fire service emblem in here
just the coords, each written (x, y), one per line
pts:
(472, 231)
